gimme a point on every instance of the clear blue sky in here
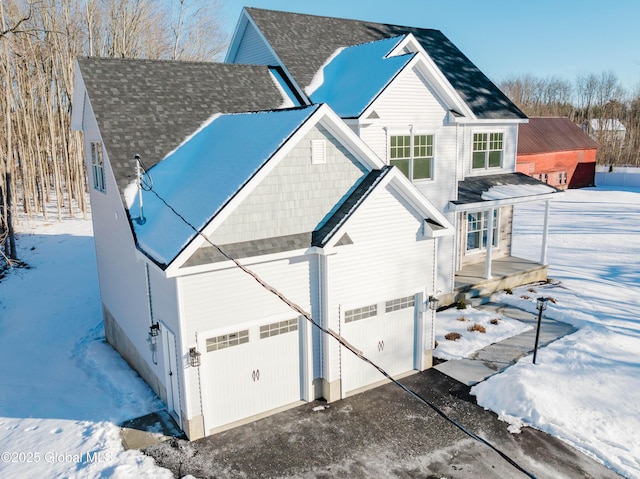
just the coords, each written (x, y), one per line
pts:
(504, 37)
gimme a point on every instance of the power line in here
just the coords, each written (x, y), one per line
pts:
(338, 338)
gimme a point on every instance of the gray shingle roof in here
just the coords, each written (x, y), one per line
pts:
(304, 42)
(149, 107)
(470, 189)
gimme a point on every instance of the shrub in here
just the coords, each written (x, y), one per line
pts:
(462, 318)
(478, 328)
(532, 290)
(435, 344)
(508, 291)
(495, 321)
(552, 300)
(452, 336)
(461, 304)
(524, 296)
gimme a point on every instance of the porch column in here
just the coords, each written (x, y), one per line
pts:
(487, 271)
(545, 233)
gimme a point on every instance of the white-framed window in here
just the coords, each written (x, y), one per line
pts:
(97, 166)
(228, 340)
(357, 314)
(487, 150)
(399, 303)
(477, 230)
(413, 155)
(279, 327)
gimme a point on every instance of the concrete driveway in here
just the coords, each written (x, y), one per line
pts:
(381, 433)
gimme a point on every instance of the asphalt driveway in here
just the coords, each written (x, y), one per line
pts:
(381, 433)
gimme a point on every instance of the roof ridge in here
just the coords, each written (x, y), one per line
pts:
(172, 62)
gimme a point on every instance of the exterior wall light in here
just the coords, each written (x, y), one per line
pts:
(154, 330)
(541, 305)
(194, 357)
(433, 303)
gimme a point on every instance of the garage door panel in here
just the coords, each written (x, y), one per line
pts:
(248, 374)
(387, 339)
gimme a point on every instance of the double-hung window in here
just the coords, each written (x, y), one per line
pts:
(477, 230)
(487, 150)
(413, 154)
(97, 166)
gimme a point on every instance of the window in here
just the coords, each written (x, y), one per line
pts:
(360, 313)
(280, 327)
(400, 303)
(415, 161)
(477, 226)
(97, 166)
(487, 150)
(227, 340)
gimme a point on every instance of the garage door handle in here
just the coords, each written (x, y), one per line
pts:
(255, 375)
(380, 345)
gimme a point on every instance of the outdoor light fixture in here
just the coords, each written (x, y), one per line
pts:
(154, 330)
(433, 303)
(541, 305)
(194, 357)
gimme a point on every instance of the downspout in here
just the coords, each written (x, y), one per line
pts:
(545, 233)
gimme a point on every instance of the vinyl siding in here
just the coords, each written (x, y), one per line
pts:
(386, 261)
(253, 50)
(296, 196)
(409, 100)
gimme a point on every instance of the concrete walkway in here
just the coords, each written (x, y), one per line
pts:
(499, 356)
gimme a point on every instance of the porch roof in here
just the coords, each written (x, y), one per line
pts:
(500, 190)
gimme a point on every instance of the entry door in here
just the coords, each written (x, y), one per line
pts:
(171, 374)
(387, 339)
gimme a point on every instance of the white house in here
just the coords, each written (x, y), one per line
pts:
(292, 194)
(421, 105)
(253, 218)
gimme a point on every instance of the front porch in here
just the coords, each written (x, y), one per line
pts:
(506, 272)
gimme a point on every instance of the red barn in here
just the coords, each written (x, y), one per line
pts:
(556, 151)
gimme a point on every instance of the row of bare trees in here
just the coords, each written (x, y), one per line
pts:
(599, 97)
(41, 159)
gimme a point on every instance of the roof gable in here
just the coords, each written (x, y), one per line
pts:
(200, 176)
(356, 75)
(149, 107)
(543, 135)
(303, 43)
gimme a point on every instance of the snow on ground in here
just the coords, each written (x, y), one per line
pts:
(585, 386)
(496, 327)
(63, 389)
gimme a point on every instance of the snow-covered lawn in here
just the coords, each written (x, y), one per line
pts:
(585, 386)
(63, 390)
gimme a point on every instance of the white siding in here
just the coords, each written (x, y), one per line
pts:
(296, 196)
(409, 100)
(253, 50)
(387, 260)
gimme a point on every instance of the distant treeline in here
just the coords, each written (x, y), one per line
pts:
(41, 159)
(589, 97)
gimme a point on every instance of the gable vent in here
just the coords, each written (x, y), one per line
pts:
(318, 152)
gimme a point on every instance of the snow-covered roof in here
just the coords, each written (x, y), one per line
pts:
(354, 76)
(201, 175)
(610, 124)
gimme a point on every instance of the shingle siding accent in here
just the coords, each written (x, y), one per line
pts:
(296, 196)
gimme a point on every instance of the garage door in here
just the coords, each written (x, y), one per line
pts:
(384, 332)
(250, 371)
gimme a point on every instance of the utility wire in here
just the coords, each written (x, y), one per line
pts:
(341, 340)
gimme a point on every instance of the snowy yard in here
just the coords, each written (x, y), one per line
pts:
(64, 390)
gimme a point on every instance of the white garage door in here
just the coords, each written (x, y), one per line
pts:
(250, 371)
(385, 333)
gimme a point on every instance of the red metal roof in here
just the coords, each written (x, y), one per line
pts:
(543, 135)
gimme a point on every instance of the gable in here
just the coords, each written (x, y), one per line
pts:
(304, 43)
(197, 180)
(252, 49)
